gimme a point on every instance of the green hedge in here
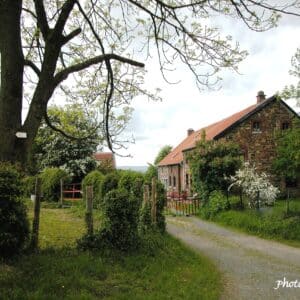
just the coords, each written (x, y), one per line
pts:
(110, 182)
(28, 183)
(94, 178)
(14, 225)
(132, 181)
(50, 178)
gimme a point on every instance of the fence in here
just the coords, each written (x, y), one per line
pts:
(183, 206)
(71, 191)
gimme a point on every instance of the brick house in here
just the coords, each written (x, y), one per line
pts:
(253, 129)
(105, 159)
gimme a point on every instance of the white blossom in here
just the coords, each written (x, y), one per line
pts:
(256, 186)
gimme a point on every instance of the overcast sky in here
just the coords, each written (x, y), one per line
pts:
(155, 124)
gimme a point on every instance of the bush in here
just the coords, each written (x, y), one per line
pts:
(145, 224)
(160, 205)
(132, 182)
(121, 219)
(110, 182)
(50, 178)
(94, 178)
(14, 225)
(217, 203)
(28, 183)
(120, 226)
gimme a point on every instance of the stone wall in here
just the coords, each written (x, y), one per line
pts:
(257, 138)
(171, 177)
(259, 146)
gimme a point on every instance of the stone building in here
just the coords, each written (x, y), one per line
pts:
(105, 159)
(253, 128)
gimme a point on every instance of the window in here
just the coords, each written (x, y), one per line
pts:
(174, 181)
(285, 125)
(256, 127)
(170, 181)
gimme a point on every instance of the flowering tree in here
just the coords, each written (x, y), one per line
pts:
(102, 46)
(52, 149)
(256, 186)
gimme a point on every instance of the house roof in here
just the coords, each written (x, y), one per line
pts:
(104, 156)
(215, 131)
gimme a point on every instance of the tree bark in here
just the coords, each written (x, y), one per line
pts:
(11, 90)
(12, 67)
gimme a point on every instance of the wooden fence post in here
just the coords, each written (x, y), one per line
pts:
(61, 192)
(36, 218)
(89, 210)
(153, 201)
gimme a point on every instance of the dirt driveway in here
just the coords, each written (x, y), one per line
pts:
(251, 266)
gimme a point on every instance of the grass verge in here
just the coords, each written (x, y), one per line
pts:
(271, 222)
(172, 271)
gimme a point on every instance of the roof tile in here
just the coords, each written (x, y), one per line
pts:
(176, 155)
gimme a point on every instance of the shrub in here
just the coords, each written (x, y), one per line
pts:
(132, 182)
(160, 204)
(14, 225)
(256, 186)
(121, 219)
(217, 203)
(120, 226)
(110, 182)
(145, 224)
(50, 178)
(28, 183)
(94, 178)
(211, 164)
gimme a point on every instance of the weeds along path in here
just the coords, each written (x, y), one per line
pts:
(250, 265)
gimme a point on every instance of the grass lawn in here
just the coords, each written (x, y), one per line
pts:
(60, 271)
(269, 222)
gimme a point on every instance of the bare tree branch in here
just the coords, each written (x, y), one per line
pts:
(66, 135)
(29, 63)
(41, 17)
(62, 75)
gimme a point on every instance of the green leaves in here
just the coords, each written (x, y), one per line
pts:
(211, 163)
(287, 161)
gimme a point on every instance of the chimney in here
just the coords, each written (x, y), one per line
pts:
(260, 97)
(190, 131)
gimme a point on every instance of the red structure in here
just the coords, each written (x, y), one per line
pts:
(72, 191)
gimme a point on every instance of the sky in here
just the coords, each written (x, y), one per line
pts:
(183, 106)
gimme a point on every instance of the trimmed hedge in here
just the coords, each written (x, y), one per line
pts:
(110, 182)
(28, 183)
(120, 228)
(94, 178)
(50, 178)
(14, 225)
(132, 181)
(145, 224)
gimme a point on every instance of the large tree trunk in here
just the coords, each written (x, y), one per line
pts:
(11, 90)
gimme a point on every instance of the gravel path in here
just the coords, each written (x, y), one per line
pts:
(251, 266)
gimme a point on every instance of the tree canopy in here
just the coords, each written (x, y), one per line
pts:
(152, 168)
(52, 149)
(212, 163)
(101, 46)
(287, 160)
(293, 91)
(163, 152)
